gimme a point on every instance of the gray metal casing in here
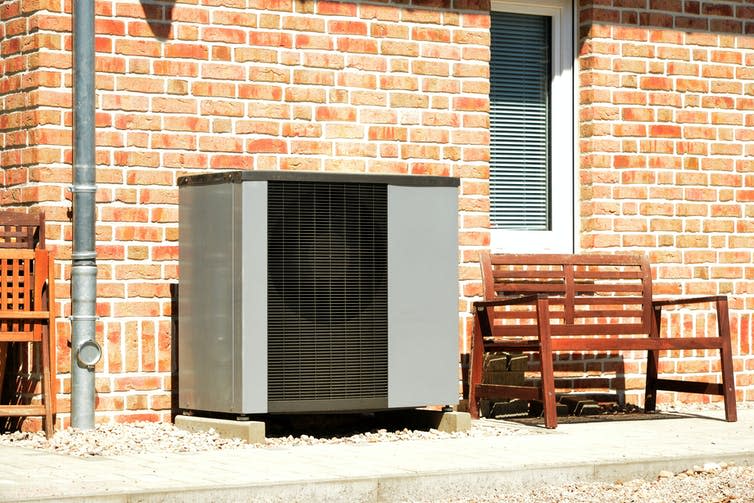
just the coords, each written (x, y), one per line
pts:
(222, 343)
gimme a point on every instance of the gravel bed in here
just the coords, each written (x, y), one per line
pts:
(146, 437)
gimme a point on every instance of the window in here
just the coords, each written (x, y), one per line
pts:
(531, 126)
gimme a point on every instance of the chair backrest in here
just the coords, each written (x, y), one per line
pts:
(589, 294)
(23, 280)
(22, 230)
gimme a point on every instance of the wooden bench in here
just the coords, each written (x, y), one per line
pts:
(583, 303)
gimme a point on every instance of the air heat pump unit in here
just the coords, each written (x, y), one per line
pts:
(315, 292)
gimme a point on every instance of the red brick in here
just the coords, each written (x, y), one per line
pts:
(224, 35)
(408, 100)
(358, 45)
(347, 27)
(664, 131)
(317, 77)
(220, 16)
(188, 51)
(175, 68)
(173, 141)
(147, 48)
(389, 133)
(307, 41)
(223, 71)
(267, 146)
(271, 39)
(311, 147)
(269, 74)
(353, 131)
(220, 144)
(389, 30)
(431, 34)
(301, 23)
(221, 107)
(327, 113)
(260, 92)
(471, 104)
(231, 161)
(656, 83)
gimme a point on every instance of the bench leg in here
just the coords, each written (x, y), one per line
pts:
(726, 361)
(476, 364)
(653, 361)
(546, 364)
(548, 387)
(650, 392)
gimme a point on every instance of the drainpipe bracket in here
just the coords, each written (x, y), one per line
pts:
(83, 188)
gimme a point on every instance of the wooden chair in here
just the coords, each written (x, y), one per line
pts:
(27, 315)
(18, 230)
(22, 230)
(581, 303)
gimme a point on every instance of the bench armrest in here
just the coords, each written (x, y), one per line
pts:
(658, 304)
(508, 301)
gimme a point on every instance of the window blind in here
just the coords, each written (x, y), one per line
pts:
(520, 121)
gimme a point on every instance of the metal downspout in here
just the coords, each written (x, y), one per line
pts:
(85, 352)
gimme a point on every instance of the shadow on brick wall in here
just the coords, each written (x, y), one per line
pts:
(159, 16)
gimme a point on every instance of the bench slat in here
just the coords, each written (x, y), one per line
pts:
(608, 313)
(622, 275)
(598, 329)
(521, 288)
(512, 345)
(604, 288)
(527, 273)
(643, 343)
(500, 391)
(607, 300)
(561, 258)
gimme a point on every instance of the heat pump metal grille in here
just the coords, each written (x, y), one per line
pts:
(327, 299)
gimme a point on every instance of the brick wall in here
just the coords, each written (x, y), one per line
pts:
(233, 84)
(667, 157)
(665, 119)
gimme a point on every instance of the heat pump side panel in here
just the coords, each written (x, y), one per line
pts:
(252, 306)
(422, 296)
(208, 356)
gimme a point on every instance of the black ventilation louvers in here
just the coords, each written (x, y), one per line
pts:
(327, 291)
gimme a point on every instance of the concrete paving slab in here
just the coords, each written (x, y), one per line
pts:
(414, 470)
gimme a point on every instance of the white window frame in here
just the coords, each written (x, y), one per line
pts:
(561, 237)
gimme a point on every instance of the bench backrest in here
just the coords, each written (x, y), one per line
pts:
(589, 294)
